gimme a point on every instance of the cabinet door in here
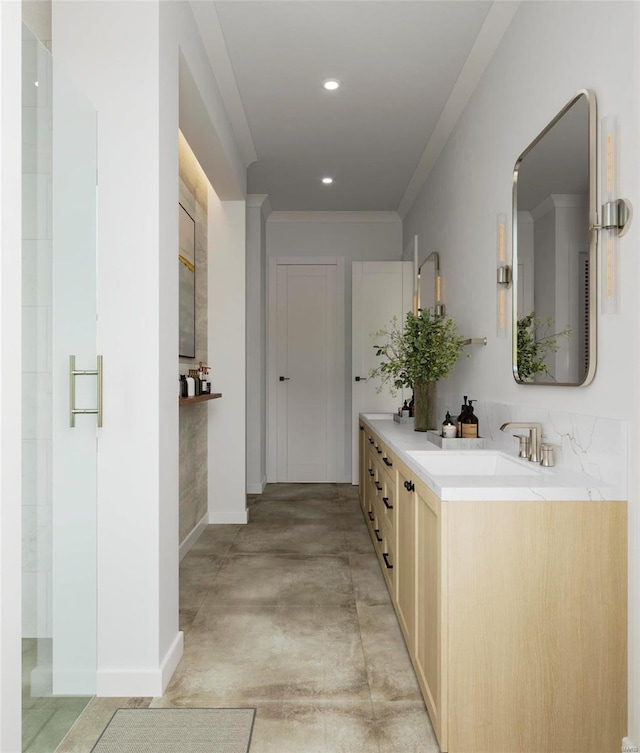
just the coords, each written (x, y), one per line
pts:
(429, 646)
(405, 509)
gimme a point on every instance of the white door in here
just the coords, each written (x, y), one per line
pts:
(381, 290)
(308, 373)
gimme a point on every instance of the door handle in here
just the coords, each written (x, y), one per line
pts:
(360, 379)
(73, 373)
(285, 379)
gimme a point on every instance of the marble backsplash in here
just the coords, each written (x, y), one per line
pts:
(593, 445)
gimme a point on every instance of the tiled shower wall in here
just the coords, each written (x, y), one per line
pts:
(36, 340)
(193, 195)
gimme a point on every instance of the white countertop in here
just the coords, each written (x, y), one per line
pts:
(555, 484)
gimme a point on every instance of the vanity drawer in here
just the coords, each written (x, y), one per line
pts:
(385, 549)
(388, 500)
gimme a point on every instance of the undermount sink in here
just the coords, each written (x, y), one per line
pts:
(475, 463)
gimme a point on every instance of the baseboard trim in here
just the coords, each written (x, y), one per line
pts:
(171, 659)
(193, 536)
(228, 516)
(143, 682)
(257, 488)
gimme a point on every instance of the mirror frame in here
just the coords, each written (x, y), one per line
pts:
(185, 262)
(593, 243)
(434, 257)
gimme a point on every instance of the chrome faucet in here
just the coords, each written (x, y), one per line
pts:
(535, 433)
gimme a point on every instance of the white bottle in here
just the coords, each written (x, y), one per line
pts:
(191, 387)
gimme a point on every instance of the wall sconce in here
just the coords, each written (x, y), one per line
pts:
(416, 277)
(615, 216)
(504, 274)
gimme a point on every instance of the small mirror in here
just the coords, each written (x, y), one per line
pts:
(187, 283)
(554, 251)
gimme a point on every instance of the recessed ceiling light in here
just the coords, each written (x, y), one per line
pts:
(331, 84)
(327, 180)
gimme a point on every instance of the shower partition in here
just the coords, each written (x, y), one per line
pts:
(58, 462)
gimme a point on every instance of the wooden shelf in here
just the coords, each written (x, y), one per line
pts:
(198, 398)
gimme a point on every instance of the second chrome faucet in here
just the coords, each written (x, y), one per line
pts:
(535, 434)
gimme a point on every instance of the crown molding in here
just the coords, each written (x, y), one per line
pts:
(215, 45)
(259, 201)
(495, 25)
(334, 217)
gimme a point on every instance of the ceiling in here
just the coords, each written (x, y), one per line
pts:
(406, 68)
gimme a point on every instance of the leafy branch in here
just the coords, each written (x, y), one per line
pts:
(424, 350)
(536, 341)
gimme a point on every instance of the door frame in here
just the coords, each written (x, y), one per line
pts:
(338, 407)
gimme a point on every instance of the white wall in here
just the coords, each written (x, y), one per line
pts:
(10, 377)
(227, 345)
(357, 236)
(550, 52)
(131, 71)
(258, 209)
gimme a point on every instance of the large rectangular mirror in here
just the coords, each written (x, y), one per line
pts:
(554, 250)
(187, 283)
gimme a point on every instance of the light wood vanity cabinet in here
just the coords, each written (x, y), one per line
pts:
(405, 555)
(514, 613)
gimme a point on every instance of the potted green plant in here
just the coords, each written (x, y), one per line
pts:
(417, 356)
(536, 341)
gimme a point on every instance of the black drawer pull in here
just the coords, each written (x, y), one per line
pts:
(387, 462)
(379, 451)
(371, 472)
(409, 486)
(377, 531)
(378, 487)
(386, 503)
(370, 440)
(406, 485)
(385, 555)
(371, 516)
(362, 428)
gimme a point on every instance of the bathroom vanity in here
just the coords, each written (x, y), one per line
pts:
(509, 583)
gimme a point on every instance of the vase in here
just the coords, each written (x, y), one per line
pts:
(425, 406)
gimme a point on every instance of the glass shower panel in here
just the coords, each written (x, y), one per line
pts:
(58, 463)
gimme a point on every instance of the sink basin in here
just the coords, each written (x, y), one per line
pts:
(472, 464)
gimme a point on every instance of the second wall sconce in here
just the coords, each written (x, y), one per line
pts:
(504, 275)
(615, 216)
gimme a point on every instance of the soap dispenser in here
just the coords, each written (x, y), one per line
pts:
(463, 410)
(448, 427)
(470, 423)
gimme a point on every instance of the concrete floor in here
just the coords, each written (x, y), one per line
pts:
(290, 615)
